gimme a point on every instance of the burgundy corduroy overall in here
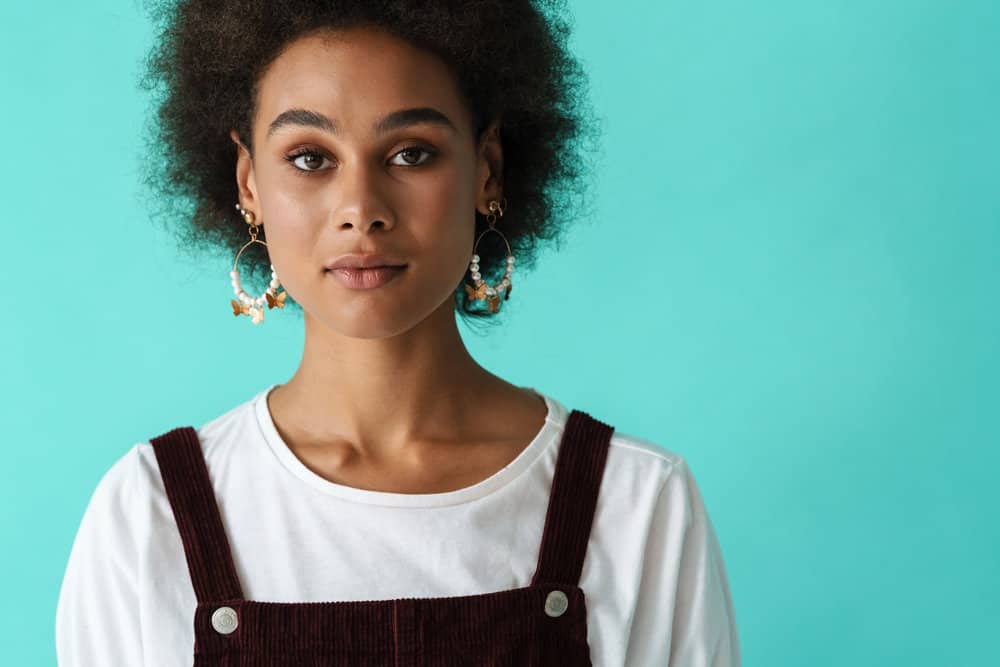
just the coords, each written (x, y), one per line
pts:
(544, 623)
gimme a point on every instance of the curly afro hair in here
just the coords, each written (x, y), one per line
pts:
(511, 61)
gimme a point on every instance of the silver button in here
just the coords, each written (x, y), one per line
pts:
(556, 603)
(224, 620)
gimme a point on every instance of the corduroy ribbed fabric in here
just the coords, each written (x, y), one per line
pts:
(505, 628)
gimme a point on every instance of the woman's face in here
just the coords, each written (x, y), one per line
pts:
(338, 169)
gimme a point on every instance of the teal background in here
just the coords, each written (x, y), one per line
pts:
(790, 279)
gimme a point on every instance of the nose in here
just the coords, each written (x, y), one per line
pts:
(361, 199)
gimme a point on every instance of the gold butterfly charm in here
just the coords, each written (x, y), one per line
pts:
(256, 314)
(239, 308)
(275, 301)
(478, 293)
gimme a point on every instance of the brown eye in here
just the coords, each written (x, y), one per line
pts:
(411, 156)
(307, 161)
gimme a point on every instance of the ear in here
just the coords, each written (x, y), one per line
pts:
(245, 182)
(489, 160)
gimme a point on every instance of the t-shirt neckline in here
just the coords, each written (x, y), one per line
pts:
(551, 429)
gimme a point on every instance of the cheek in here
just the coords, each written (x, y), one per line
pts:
(290, 222)
(442, 214)
(291, 241)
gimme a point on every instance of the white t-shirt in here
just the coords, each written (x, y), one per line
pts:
(655, 583)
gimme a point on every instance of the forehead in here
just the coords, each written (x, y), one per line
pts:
(356, 76)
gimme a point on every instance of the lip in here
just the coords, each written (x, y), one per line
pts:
(364, 261)
(367, 278)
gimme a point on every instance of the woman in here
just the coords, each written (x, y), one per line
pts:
(394, 502)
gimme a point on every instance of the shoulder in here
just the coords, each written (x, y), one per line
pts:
(131, 488)
(637, 468)
(117, 488)
(643, 480)
(216, 437)
(650, 478)
(628, 453)
(642, 451)
(632, 458)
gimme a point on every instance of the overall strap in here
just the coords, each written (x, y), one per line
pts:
(189, 490)
(572, 499)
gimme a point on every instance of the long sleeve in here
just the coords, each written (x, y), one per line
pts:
(684, 616)
(97, 616)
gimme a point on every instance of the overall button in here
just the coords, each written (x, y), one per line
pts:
(556, 603)
(224, 620)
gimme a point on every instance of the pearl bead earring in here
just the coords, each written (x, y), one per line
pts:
(482, 290)
(247, 305)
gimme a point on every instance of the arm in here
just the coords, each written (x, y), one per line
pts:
(684, 616)
(97, 616)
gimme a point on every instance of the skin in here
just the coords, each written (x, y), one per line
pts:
(386, 396)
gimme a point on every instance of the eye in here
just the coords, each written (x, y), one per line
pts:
(312, 162)
(414, 153)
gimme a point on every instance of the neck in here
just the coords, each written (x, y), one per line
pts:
(380, 398)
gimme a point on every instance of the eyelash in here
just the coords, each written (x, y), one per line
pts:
(431, 154)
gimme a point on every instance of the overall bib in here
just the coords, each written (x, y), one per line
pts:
(544, 623)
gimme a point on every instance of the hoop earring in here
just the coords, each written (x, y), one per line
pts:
(246, 304)
(483, 291)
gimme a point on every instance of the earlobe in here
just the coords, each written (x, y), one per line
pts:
(491, 192)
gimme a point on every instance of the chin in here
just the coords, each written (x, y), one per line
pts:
(383, 312)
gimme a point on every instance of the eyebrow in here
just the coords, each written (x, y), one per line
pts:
(394, 121)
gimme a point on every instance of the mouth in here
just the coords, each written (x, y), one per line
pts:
(365, 268)
(370, 260)
(367, 278)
